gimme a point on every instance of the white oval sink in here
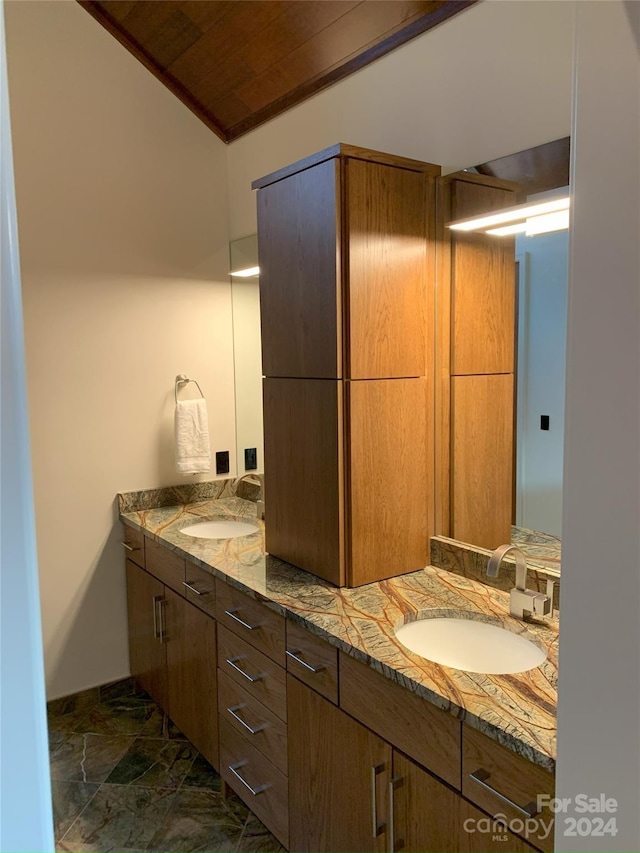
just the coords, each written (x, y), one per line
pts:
(471, 645)
(219, 529)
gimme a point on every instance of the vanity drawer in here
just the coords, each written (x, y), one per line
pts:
(262, 786)
(255, 721)
(412, 724)
(260, 676)
(312, 660)
(200, 588)
(251, 620)
(133, 543)
(501, 782)
(165, 565)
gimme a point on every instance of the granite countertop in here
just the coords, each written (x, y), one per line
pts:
(518, 710)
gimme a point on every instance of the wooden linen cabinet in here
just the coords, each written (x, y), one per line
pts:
(345, 241)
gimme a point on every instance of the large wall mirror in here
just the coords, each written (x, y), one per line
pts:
(541, 319)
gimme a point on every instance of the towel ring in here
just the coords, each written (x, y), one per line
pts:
(181, 380)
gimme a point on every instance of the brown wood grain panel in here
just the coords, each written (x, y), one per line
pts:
(147, 655)
(511, 775)
(396, 714)
(390, 477)
(204, 582)
(133, 541)
(442, 370)
(294, 27)
(303, 474)
(482, 459)
(386, 219)
(361, 28)
(483, 288)
(192, 675)
(115, 28)
(220, 43)
(264, 629)
(262, 678)
(269, 734)
(271, 804)
(431, 818)
(271, 54)
(316, 653)
(165, 565)
(298, 248)
(331, 761)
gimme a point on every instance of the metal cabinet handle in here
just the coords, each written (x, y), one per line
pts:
(293, 653)
(232, 614)
(252, 730)
(154, 604)
(376, 828)
(255, 791)
(161, 601)
(251, 678)
(193, 589)
(393, 845)
(480, 776)
(129, 547)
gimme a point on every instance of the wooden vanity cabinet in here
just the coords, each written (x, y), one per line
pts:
(345, 242)
(339, 772)
(147, 652)
(172, 649)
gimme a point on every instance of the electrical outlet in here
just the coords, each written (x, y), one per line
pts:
(544, 422)
(222, 462)
(250, 458)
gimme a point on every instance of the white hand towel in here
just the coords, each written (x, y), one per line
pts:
(193, 450)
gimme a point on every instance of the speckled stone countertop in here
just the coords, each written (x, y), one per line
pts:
(518, 710)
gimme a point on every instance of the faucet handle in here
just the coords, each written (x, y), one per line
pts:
(550, 586)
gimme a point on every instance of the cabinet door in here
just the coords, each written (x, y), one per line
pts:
(429, 817)
(191, 674)
(389, 303)
(299, 253)
(147, 650)
(390, 448)
(339, 774)
(303, 474)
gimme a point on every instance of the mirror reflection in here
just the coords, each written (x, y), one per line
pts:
(541, 317)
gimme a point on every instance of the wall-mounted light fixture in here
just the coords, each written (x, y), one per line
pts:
(530, 218)
(245, 273)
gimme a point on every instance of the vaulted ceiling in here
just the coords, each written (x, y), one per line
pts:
(239, 63)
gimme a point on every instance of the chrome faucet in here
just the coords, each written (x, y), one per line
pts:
(254, 480)
(523, 601)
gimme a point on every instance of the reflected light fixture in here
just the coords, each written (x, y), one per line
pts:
(245, 273)
(530, 218)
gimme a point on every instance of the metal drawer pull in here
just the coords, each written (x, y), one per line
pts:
(254, 731)
(161, 602)
(480, 776)
(255, 791)
(129, 547)
(294, 655)
(393, 845)
(376, 828)
(251, 678)
(232, 614)
(193, 589)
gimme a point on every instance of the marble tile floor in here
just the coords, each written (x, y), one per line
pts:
(125, 779)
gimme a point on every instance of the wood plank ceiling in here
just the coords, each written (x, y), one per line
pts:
(239, 63)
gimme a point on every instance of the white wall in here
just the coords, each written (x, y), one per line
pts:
(493, 80)
(542, 344)
(599, 691)
(26, 821)
(122, 208)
